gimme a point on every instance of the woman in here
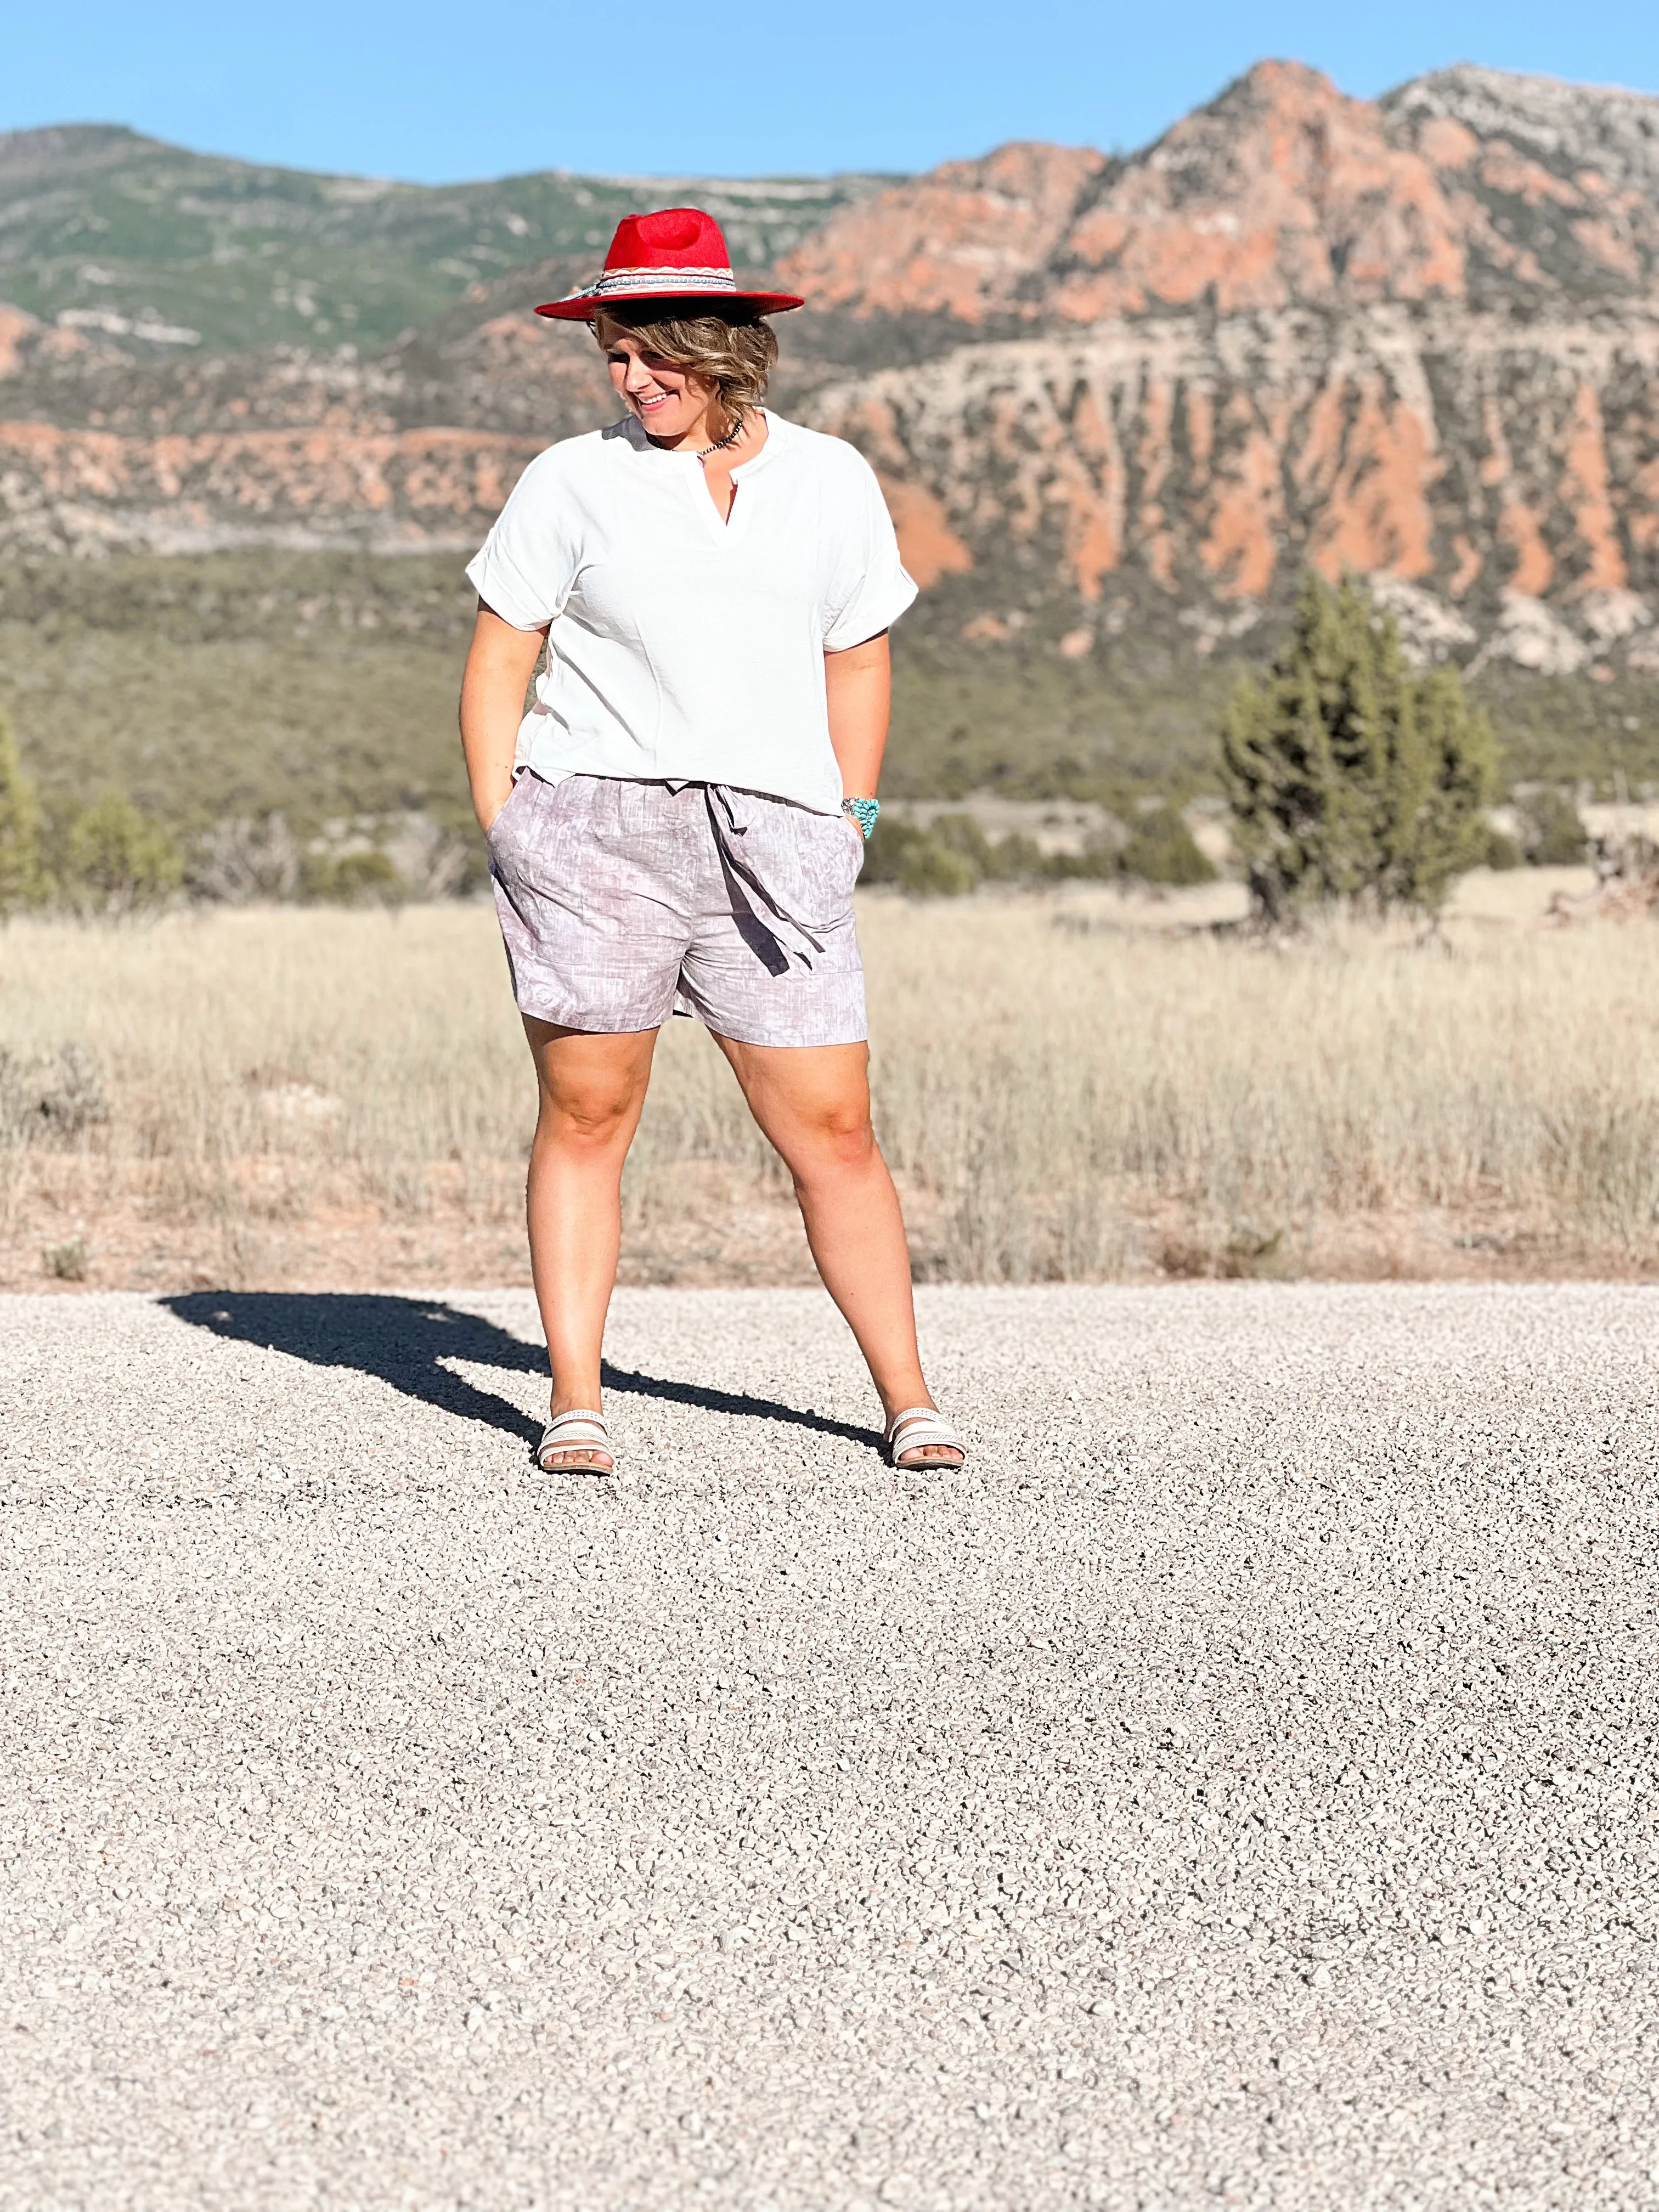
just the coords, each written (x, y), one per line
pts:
(678, 823)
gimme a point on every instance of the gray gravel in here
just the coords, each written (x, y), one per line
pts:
(1238, 1788)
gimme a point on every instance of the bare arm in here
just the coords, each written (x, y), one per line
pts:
(859, 683)
(499, 668)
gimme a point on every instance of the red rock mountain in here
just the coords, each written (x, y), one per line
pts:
(1469, 186)
(1418, 338)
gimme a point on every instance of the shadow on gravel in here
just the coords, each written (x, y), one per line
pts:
(407, 1341)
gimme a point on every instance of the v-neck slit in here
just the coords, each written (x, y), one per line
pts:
(724, 520)
(724, 524)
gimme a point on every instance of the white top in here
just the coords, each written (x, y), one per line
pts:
(682, 646)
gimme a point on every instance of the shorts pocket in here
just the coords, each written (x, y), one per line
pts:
(531, 836)
(808, 863)
(501, 815)
(847, 843)
(494, 832)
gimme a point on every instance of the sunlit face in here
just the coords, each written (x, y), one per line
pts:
(671, 402)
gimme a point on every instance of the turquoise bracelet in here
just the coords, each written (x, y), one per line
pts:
(863, 811)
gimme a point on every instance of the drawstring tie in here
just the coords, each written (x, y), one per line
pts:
(789, 934)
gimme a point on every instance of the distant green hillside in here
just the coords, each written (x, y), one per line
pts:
(118, 231)
(323, 685)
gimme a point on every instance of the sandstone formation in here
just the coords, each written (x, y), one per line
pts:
(1469, 186)
(1480, 464)
(1418, 338)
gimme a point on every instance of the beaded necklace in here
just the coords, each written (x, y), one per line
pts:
(720, 444)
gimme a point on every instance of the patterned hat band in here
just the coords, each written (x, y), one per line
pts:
(619, 283)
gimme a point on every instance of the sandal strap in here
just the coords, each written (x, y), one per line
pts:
(579, 1413)
(918, 1427)
(576, 1430)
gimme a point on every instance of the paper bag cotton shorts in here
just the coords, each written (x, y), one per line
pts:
(622, 903)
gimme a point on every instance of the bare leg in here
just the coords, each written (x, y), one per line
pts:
(813, 1104)
(593, 1090)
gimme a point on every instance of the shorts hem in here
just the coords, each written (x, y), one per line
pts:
(739, 1032)
(796, 1042)
(586, 1025)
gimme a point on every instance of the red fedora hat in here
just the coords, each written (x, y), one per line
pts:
(677, 255)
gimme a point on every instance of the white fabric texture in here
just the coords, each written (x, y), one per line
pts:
(681, 646)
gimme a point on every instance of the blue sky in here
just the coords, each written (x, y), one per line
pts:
(434, 93)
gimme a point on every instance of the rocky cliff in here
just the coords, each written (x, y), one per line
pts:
(1469, 186)
(1418, 338)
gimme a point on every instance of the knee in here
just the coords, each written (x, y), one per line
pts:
(585, 1120)
(835, 1141)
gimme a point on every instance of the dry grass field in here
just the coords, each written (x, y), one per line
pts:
(1068, 1086)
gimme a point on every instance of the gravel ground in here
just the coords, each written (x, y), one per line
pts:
(1238, 1788)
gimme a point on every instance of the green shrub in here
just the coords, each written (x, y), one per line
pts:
(1161, 850)
(953, 856)
(350, 879)
(960, 835)
(115, 860)
(885, 851)
(1018, 858)
(21, 882)
(1552, 835)
(1099, 861)
(1349, 777)
(935, 869)
(1501, 850)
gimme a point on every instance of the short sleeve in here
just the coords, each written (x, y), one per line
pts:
(869, 589)
(525, 569)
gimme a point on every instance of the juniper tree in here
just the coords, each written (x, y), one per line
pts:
(1349, 775)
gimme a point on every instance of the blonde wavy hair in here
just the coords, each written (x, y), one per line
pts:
(736, 357)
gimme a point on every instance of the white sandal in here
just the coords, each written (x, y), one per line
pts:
(576, 1430)
(914, 1430)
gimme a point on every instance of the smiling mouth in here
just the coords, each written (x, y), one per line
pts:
(661, 400)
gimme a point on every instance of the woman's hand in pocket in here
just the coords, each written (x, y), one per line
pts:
(499, 665)
(494, 814)
(856, 831)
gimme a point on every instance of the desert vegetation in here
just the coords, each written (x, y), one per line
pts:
(286, 732)
(281, 725)
(237, 1091)
(1068, 1086)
